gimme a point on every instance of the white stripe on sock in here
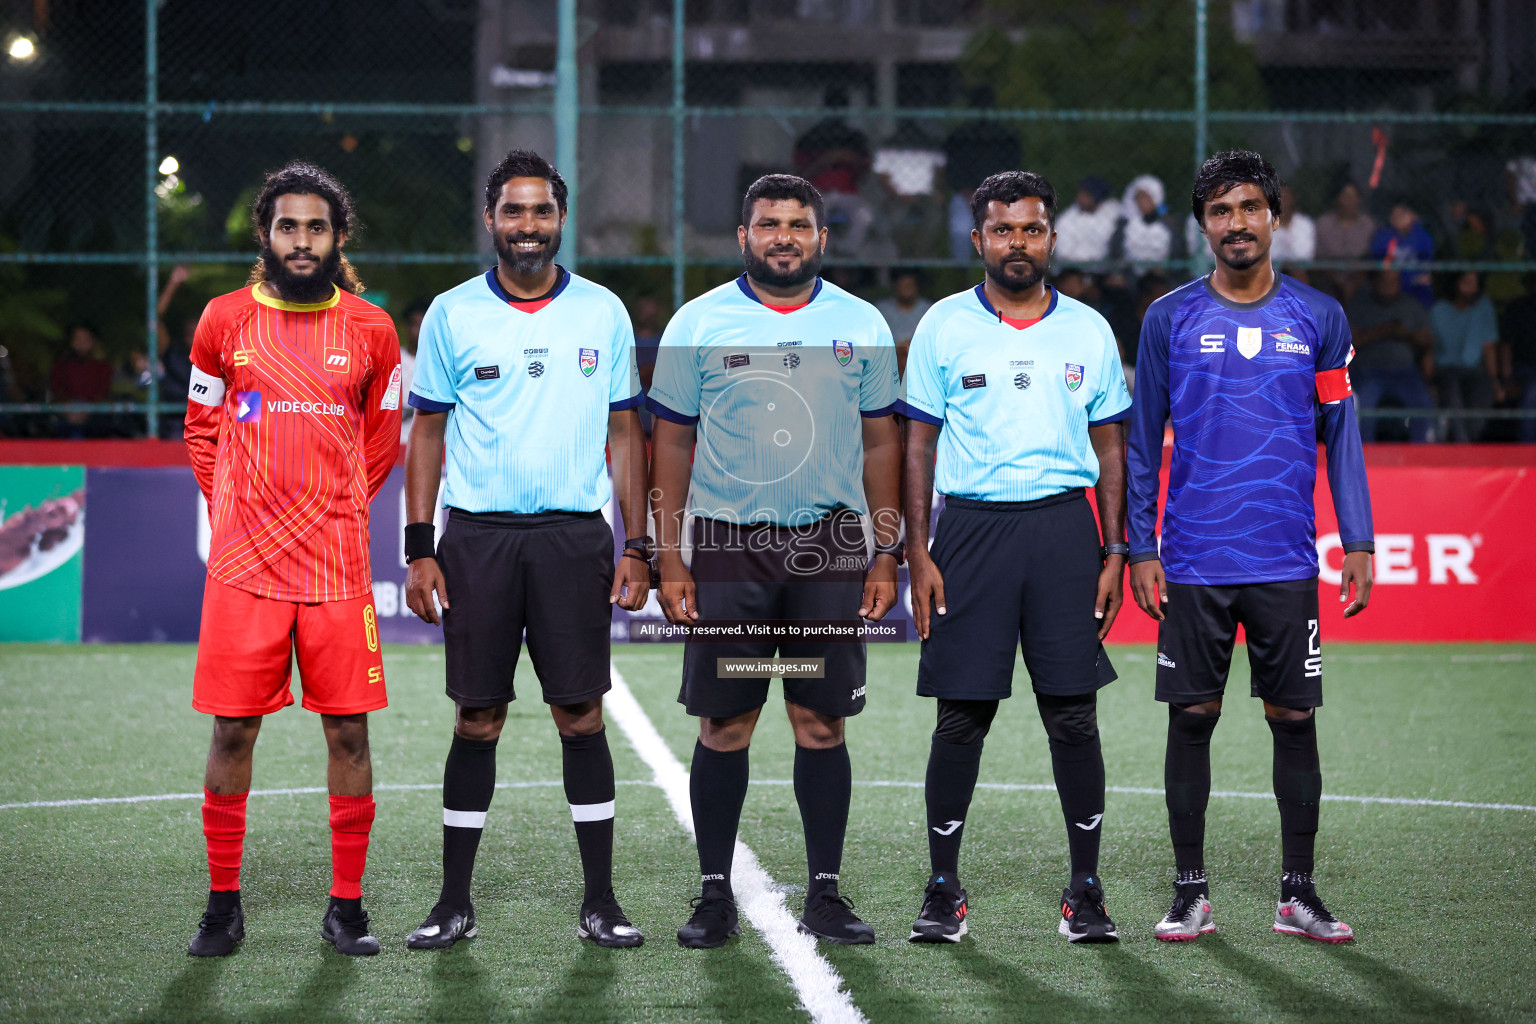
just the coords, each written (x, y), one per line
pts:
(464, 819)
(592, 812)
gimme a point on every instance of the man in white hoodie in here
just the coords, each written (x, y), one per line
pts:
(1085, 229)
(1147, 238)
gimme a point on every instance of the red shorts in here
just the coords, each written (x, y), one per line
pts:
(245, 654)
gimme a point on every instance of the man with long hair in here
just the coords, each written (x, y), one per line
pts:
(293, 423)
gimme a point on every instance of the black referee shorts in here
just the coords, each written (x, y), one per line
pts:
(1016, 574)
(1199, 628)
(773, 574)
(548, 573)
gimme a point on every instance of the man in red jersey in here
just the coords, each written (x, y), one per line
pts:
(293, 423)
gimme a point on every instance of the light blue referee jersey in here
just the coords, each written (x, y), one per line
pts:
(527, 393)
(778, 399)
(1015, 404)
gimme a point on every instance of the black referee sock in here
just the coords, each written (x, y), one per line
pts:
(717, 787)
(1079, 772)
(823, 789)
(1298, 789)
(469, 782)
(952, 771)
(588, 773)
(1187, 779)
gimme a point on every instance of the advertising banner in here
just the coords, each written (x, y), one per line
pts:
(42, 531)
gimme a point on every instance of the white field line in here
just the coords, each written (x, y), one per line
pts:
(1031, 787)
(815, 980)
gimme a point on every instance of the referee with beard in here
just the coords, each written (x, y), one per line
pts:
(1018, 391)
(524, 374)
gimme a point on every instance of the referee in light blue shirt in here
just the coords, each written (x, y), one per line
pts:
(526, 372)
(1018, 390)
(774, 396)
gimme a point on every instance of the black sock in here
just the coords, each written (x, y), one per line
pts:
(1298, 788)
(588, 769)
(952, 770)
(717, 788)
(1187, 779)
(469, 782)
(823, 789)
(1079, 772)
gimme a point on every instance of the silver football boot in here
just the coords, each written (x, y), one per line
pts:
(1188, 919)
(1306, 916)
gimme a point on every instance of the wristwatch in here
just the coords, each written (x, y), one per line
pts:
(897, 551)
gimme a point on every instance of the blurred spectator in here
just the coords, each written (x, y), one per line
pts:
(972, 151)
(175, 357)
(415, 313)
(132, 382)
(1295, 236)
(834, 156)
(1466, 353)
(1404, 241)
(1345, 232)
(1145, 238)
(1470, 236)
(1521, 176)
(80, 374)
(903, 309)
(1392, 339)
(1085, 229)
(1517, 357)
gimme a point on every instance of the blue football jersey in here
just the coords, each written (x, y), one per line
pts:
(1248, 388)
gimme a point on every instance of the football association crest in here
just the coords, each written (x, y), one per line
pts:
(843, 350)
(1249, 341)
(1074, 376)
(588, 361)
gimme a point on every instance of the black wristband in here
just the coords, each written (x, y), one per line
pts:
(1117, 549)
(420, 541)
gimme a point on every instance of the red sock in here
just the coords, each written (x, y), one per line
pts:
(351, 820)
(224, 828)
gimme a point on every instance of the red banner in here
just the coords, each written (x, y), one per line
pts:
(1454, 553)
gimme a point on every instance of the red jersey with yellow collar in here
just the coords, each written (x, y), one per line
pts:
(293, 423)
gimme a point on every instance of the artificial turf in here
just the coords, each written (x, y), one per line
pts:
(97, 901)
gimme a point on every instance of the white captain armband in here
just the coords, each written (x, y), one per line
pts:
(205, 389)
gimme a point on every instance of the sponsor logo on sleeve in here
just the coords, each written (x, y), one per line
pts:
(843, 350)
(391, 399)
(205, 389)
(1074, 376)
(973, 380)
(487, 373)
(587, 360)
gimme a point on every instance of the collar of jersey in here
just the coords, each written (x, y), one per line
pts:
(986, 303)
(562, 279)
(1241, 307)
(296, 307)
(746, 289)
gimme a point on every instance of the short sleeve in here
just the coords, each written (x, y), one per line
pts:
(1112, 403)
(880, 387)
(675, 383)
(432, 389)
(923, 389)
(624, 375)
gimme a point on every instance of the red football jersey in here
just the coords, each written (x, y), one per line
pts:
(293, 423)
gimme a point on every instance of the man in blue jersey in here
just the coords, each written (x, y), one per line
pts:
(788, 384)
(526, 372)
(1018, 393)
(1250, 367)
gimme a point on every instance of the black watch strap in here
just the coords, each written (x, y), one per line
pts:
(1116, 549)
(897, 550)
(645, 545)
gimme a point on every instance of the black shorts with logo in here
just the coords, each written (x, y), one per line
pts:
(1199, 628)
(766, 573)
(1016, 574)
(548, 573)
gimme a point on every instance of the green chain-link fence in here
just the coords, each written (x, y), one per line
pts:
(135, 134)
